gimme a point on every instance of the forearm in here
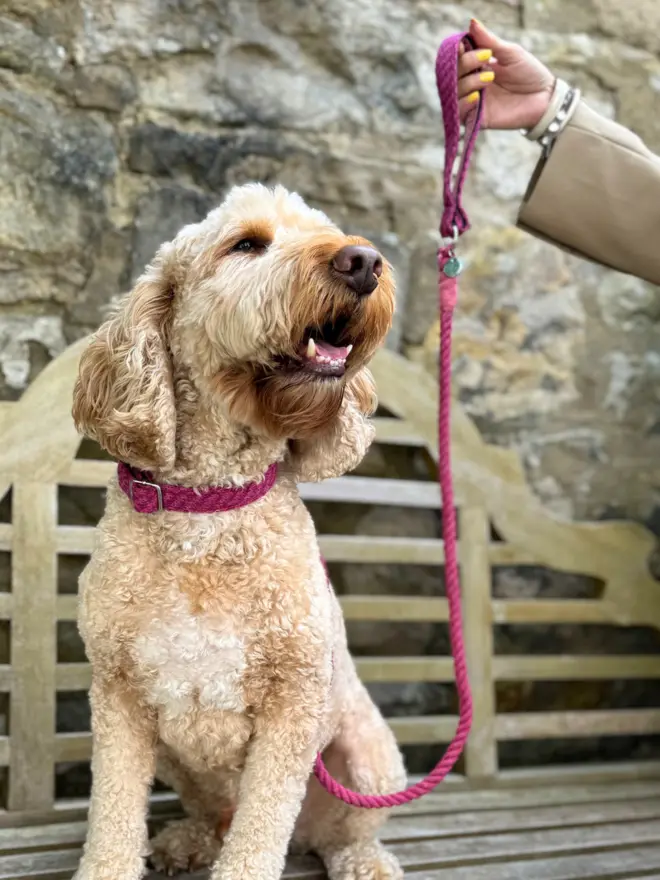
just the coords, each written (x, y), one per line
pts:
(598, 194)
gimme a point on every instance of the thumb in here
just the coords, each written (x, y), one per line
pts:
(485, 39)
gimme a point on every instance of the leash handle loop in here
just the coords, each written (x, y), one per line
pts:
(454, 218)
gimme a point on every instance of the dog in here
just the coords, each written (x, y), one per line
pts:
(218, 648)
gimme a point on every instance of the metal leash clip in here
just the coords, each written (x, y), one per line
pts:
(454, 265)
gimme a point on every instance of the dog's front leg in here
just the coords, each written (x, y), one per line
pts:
(123, 765)
(272, 788)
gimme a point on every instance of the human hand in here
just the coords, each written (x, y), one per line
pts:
(519, 86)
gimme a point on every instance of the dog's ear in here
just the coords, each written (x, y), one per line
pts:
(347, 441)
(124, 397)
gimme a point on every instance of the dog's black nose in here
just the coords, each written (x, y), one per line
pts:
(360, 267)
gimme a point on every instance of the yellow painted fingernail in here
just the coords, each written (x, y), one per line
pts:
(487, 77)
(484, 54)
(473, 97)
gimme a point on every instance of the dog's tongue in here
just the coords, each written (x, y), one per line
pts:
(324, 352)
(324, 357)
(334, 352)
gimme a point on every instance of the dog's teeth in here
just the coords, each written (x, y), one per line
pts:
(349, 349)
(311, 348)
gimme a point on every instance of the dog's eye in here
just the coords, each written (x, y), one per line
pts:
(250, 246)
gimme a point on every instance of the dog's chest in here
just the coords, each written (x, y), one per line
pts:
(187, 659)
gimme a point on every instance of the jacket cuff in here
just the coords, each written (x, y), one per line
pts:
(597, 195)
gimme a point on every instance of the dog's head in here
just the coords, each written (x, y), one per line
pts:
(265, 308)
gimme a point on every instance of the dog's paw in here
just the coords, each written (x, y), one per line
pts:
(186, 845)
(363, 861)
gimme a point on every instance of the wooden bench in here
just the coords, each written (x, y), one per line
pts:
(560, 823)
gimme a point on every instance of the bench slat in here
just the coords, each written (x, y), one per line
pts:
(374, 490)
(402, 827)
(618, 865)
(443, 852)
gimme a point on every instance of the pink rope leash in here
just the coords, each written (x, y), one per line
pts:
(454, 223)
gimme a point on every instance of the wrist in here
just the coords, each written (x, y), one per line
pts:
(540, 106)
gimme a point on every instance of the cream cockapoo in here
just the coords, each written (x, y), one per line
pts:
(218, 650)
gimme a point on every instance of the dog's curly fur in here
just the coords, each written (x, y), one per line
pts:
(212, 637)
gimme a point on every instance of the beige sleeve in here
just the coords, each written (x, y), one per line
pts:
(598, 195)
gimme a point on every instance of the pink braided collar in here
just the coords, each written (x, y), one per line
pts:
(146, 496)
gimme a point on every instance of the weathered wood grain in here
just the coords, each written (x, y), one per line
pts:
(401, 828)
(33, 646)
(524, 850)
(481, 747)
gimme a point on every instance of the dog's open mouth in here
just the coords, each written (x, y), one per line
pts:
(324, 350)
(319, 356)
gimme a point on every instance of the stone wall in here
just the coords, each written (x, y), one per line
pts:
(122, 120)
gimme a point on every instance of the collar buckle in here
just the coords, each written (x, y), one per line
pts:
(159, 492)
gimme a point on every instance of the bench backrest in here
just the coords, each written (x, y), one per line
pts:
(38, 451)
